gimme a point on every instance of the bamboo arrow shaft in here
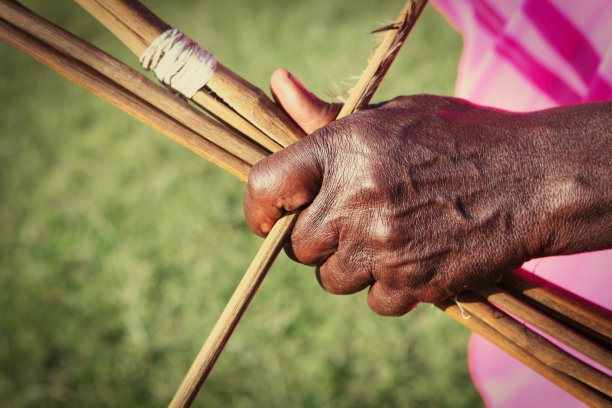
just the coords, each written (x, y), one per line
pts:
(272, 245)
(102, 75)
(507, 343)
(548, 324)
(535, 344)
(235, 308)
(580, 314)
(136, 26)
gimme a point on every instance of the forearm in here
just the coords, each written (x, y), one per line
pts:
(575, 203)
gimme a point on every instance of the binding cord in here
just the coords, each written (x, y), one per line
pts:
(463, 314)
(179, 62)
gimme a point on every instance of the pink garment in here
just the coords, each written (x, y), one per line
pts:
(525, 55)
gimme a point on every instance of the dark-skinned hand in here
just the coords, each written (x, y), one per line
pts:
(426, 196)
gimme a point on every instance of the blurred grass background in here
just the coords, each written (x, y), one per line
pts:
(119, 249)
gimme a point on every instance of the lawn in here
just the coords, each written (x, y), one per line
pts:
(119, 248)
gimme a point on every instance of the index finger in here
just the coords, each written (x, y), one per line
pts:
(283, 182)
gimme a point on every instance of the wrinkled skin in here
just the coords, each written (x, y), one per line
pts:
(427, 196)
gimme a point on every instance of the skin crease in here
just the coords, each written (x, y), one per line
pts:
(426, 196)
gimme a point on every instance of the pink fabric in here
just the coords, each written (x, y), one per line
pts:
(525, 55)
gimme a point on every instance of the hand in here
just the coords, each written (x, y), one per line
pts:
(419, 199)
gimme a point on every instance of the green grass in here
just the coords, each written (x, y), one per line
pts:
(119, 249)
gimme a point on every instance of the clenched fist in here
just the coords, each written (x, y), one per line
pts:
(427, 196)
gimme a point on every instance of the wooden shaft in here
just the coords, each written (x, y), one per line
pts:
(575, 311)
(133, 25)
(547, 324)
(108, 89)
(560, 378)
(535, 344)
(137, 27)
(138, 43)
(226, 115)
(212, 348)
(383, 57)
(254, 105)
(136, 83)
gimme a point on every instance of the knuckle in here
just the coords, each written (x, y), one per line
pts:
(259, 178)
(391, 305)
(384, 234)
(327, 278)
(432, 294)
(432, 285)
(416, 282)
(343, 277)
(313, 238)
(302, 250)
(391, 268)
(384, 269)
(388, 236)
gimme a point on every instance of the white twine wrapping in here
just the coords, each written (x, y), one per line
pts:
(179, 62)
(463, 314)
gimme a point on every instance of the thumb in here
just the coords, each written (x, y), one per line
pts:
(308, 111)
(283, 182)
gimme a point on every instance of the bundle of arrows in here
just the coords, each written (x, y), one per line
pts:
(233, 124)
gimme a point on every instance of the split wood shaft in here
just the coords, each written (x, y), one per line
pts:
(272, 245)
(535, 344)
(490, 332)
(81, 63)
(136, 26)
(235, 308)
(582, 315)
(139, 35)
(547, 324)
